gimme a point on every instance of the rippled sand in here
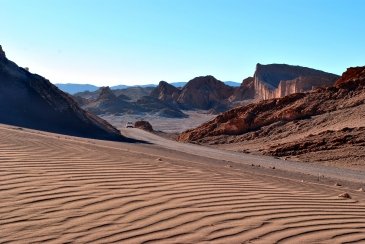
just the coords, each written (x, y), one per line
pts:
(58, 189)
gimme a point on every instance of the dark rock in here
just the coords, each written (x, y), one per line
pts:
(345, 195)
(144, 125)
(29, 100)
(166, 92)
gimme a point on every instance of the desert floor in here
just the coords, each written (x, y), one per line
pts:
(61, 189)
(168, 125)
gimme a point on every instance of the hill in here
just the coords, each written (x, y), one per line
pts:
(29, 100)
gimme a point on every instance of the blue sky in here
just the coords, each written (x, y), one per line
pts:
(109, 42)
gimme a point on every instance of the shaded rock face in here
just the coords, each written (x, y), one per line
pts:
(144, 125)
(279, 80)
(166, 92)
(282, 110)
(106, 94)
(31, 101)
(107, 102)
(2, 53)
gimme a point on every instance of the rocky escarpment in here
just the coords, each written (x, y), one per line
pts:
(348, 93)
(279, 80)
(31, 101)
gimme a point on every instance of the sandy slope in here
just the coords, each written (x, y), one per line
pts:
(58, 189)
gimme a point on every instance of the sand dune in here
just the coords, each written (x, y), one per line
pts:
(58, 190)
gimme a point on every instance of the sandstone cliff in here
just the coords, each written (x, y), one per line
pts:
(279, 80)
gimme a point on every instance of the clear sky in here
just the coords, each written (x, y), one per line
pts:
(109, 42)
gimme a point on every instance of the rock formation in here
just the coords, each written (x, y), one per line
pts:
(144, 125)
(107, 102)
(166, 92)
(29, 100)
(245, 91)
(279, 80)
(354, 74)
(106, 94)
(205, 92)
(349, 92)
(2, 53)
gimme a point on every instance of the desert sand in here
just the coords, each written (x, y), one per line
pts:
(61, 189)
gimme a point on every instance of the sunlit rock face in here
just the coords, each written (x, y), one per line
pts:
(279, 80)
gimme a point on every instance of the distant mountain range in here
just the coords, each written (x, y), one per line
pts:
(72, 88)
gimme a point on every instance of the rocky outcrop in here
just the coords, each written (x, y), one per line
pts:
(279, 80)
(108, 103)
(144, 125)
(282, 110)
(2, 53)
(166, 92)
(353, 75)
(106, 94)
(29, 100)
(205, 92)
(245, 91)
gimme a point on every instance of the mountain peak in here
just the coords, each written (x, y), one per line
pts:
(2, 53)
(165, 92)
(106, 93)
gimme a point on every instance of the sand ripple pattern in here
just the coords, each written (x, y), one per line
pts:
(57, 190)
